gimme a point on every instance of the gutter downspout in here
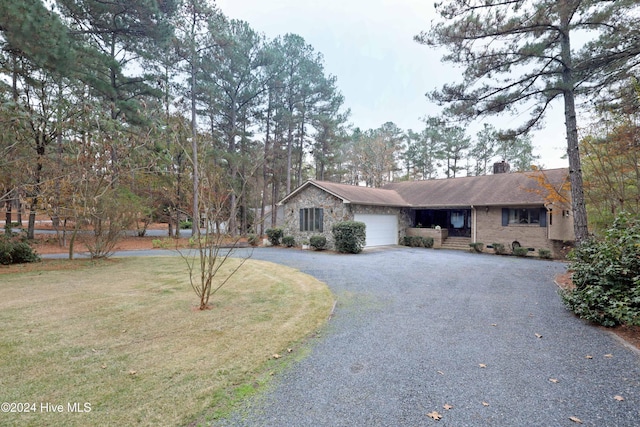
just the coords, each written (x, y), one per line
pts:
(474, 223)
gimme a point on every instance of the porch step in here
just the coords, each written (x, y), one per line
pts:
(458, 243)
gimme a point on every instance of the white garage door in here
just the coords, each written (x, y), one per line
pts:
(381, 229)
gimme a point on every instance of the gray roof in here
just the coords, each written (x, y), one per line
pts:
(506, 189)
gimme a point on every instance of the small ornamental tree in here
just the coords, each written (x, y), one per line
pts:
(349, 236)
(212, 248)
(606, 275)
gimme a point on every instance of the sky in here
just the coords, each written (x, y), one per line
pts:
(382, 73)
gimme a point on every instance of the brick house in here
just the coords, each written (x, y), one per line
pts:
(514, 209)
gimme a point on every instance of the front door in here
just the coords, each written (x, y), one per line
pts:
(459, 222)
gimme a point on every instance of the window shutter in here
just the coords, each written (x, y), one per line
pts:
(301, 219)
(543, 217)
(505, 217)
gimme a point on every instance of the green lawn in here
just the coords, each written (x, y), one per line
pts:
(124, 337)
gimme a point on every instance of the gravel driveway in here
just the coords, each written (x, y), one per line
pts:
(418, 329)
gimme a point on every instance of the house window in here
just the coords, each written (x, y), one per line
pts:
(524, 216)
(311, 219)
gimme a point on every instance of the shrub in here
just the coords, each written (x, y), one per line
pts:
(185, 225)
(544, 253)
(349, 236)
(427, 242)
(606, 275)
(418, 241)
(477, 246)
(289, 241)
(161, 243)
(520, 251)
(318, 242)
(498, 248)
(6, 247)
(16, 252)
(252, 239)
(274, 235)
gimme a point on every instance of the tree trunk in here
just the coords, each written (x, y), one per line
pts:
(274, 206)
(289, 154)
(195, 226)
(265, 169)
(8, 218)
(575, 169)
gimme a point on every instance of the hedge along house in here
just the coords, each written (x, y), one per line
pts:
(528, 209)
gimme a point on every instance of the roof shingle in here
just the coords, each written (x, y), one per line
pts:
(508, 189)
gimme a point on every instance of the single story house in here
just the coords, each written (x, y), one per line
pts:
(528, 209)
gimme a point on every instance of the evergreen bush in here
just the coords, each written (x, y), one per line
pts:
(477, 246)
(349, 236)
(606, 275)
(544, 253)
(418, 241)
(14, 251)
(520, 251)
(498, 248)
(318, 242)
(289, 241)
(274, 235)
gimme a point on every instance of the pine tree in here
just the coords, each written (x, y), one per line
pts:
(519, 55)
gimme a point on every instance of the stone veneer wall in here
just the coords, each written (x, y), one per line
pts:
(333, 211)
(312, 197)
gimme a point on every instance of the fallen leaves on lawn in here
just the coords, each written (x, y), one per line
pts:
(576, 420)
(435, 415)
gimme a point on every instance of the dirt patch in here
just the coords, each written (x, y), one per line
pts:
(631, 334)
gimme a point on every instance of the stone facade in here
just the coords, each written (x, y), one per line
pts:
(334, 211)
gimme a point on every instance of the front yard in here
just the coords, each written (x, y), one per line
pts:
(123, 337)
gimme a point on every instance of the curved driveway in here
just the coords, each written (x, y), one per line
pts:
(418, 329)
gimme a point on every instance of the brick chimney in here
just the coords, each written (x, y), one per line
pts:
(501, 167)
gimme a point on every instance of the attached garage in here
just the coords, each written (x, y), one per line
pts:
(381, 229)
